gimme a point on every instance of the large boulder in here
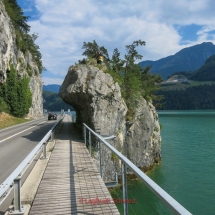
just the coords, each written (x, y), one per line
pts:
(97, 101)
(95, 97)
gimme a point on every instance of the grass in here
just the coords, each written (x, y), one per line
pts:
(7, 120)
(51, 149)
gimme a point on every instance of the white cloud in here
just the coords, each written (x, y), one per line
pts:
(47, 80)
(64, 26)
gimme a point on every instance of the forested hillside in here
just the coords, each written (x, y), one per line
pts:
(52, 102)
(204, 73)
(197, 93)
(191, 98)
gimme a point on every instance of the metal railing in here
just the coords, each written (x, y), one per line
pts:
(13, 181)
(172, 204)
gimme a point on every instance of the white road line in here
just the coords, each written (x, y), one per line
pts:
(21, 132)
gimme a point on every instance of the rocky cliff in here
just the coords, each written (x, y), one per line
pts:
(10, 54)
(98, 102)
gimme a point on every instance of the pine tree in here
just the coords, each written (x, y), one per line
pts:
(16, 94)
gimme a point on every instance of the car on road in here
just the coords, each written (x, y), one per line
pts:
(52, 116)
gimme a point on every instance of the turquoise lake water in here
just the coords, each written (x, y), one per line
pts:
(187, 170)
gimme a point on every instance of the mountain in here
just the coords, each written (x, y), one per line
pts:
(196, 93)
(51, 99)
(188, 59)
(206, 72)
(189, 98)
(52, 88)
(53, 102)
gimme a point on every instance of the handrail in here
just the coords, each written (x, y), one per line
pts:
(157, 190)
(18, 171)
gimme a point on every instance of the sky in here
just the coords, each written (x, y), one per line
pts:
(166, 26)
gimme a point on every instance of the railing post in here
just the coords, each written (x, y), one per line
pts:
(116, 177)
(18, 209)
(17, 194)
(52, 136)
(100, 160)
(44, 150)
(124, 187)
(90, 143)
(85, 136)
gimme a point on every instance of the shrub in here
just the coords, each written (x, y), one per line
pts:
(16, 93)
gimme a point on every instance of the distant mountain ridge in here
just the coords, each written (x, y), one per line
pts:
(205, 73)
(188, 59)
(52, 88)
(53, 102)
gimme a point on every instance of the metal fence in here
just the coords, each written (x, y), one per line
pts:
(90, 138)
(13, 182)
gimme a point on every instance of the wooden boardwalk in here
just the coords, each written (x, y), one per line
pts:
(71, 183)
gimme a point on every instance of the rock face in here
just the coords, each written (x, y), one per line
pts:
(98, 102)
(143, 140)
(10, 54)
(95, 97)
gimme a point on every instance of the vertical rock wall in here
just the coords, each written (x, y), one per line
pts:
(10, 54)
(143, 140)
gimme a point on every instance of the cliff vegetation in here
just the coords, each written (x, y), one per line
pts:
(134, 81)
(20, 65)
(24, 41)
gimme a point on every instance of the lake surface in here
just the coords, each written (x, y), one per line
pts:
(187, 170)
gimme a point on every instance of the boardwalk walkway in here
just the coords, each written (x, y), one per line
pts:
(71, 180)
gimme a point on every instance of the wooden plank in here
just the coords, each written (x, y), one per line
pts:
(71, 175)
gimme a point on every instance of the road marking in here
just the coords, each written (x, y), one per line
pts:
(21, 132)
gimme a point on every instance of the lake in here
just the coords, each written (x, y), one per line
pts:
(187, 170)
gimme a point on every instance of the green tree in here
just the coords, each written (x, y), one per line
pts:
(134, 80)
(3, 106)
(25, 97)
(92, 49)
(16, 94)
(10, 90)
(24, 41)
(16, 15)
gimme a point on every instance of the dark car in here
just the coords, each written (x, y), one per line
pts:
(52, 116)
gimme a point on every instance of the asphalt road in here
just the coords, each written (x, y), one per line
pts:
(18, 141)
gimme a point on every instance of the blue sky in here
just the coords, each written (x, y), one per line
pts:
(166, 26)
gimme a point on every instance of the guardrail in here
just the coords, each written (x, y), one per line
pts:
(157, 190)
(13, 181)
